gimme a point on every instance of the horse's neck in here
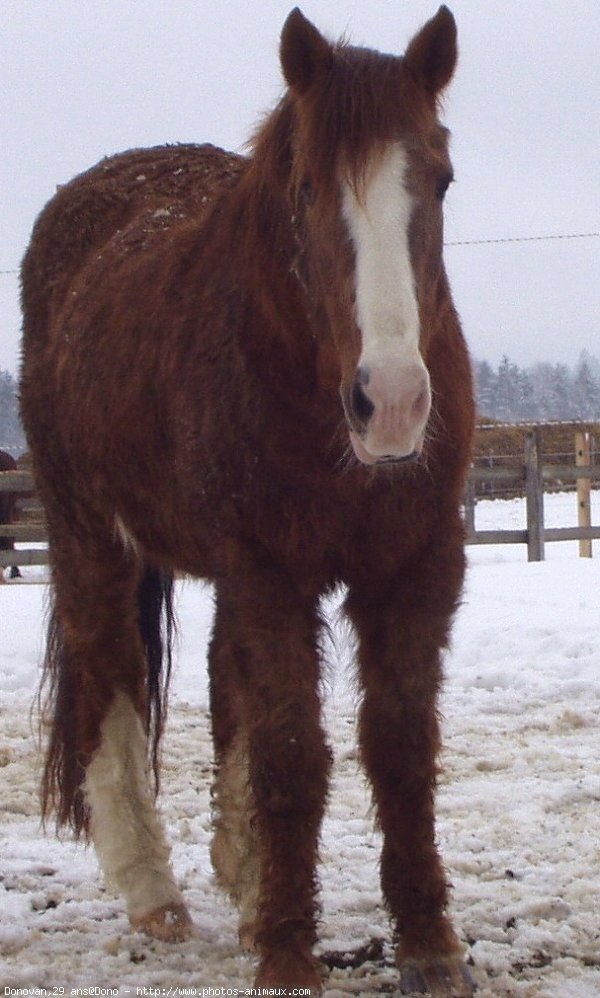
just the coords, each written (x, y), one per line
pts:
(264, 249)
(282, 329)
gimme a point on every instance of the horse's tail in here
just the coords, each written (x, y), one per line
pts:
(61, 702)
(157, 628)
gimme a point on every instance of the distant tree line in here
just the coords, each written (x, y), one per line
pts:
(543, 392)
(509, 393)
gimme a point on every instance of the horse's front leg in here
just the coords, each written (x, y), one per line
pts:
(276, 666)
(402, 627)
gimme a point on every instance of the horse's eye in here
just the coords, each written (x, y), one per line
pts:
(442, 185)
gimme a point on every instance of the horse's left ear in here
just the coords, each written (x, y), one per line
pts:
(431, 55)
(303, 51)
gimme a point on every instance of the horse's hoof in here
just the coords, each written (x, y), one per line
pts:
(445, 977)
(171, 923)
(290, 970)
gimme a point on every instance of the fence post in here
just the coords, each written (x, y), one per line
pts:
(534, 495)
(470, 508)
(584, 491)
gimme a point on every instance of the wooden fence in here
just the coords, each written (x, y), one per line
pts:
(530, 478)
(30, 528)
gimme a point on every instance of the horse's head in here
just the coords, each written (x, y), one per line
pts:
(370, 168)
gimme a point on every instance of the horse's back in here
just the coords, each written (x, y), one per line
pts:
(172, 185)
(95, 354)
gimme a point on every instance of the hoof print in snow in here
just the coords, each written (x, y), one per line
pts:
(371, 952)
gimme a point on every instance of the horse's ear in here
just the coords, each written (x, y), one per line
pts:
(431, 55)
(304, 53)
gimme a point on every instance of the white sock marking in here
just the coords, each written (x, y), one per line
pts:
(126, 829)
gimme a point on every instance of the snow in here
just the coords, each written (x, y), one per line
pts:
(518, 803)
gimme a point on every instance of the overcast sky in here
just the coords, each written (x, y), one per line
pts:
(85, 78)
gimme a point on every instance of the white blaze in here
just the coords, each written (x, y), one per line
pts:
(393, 377)
(386, 302)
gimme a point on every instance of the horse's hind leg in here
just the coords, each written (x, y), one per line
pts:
(125, 827)
(96, 775)
(235, 846)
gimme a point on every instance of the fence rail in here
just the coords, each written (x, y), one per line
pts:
(530, 475)
(16, 481)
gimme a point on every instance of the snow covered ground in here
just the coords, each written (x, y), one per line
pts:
(518, 807)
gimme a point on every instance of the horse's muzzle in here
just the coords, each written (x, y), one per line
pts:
(387, 410)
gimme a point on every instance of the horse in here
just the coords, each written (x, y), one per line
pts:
(249, 369)
(8, 511)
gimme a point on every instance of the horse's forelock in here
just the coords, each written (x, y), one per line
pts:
(364, 101)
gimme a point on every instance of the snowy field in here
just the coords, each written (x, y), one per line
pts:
(518, 806)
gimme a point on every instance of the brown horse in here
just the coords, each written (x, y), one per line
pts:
(253, 372)
(8, 512)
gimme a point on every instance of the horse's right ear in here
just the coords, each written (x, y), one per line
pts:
(303, 51)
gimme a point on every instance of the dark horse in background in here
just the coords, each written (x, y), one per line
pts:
(251, 370)
(8, 511)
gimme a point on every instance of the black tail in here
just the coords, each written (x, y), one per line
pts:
(157, 627)
(64, 770)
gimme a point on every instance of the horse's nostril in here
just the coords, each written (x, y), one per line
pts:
(362, 406)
